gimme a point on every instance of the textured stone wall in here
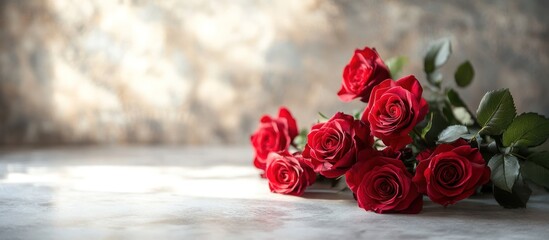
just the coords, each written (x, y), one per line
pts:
(203, 71)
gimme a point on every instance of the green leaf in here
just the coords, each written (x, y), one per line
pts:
(357, 114)
(439, 123)
(527, 130)
(395, 65)
(464, 74)
(427, 128)
(455, 99)
(516, 198)
(448, 113)
(434, 78)
(322, 116)
(540, 158)
(453, 133)
(505, 170)
(536, 168)
(496, 111)
(301, 140)
(460, 110)
(437, 55)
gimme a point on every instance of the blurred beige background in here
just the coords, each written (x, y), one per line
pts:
(203, 71)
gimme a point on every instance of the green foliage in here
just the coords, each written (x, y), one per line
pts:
(527, 130)
(437, 55)
(461, 112)
(395, 65)
(357, 114)
(455, 99)
(446, 109)
(517, 198)
(536, 168)
(453, 133)
(435, 78)
(438, 124)
(495, 112)
(505, 170)
(427, 128)
(464, 74)
(301, 139)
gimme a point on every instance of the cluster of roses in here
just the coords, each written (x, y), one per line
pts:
(385, 178)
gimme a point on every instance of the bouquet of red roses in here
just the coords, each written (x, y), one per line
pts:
(403, 146)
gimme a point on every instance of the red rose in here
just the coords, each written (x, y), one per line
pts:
(332, 146)
(394, 109)
(364, 72)
(451, 172)
(288, 174)
(382, 184)
(273, 135)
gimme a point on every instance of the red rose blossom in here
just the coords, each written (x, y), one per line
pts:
(383, 185)
(451, 172)
(364, 72)
(288, 174)
(394, 109)
(332, 146)
(273, 135)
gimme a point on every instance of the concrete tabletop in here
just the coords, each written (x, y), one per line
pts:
(213, 193)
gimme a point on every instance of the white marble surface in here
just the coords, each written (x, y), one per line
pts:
(213, 193)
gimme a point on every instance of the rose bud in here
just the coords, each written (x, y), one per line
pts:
(288, 174)
(362, 74)
(451, 172)
(381, 184)
(332, 146)
(273, 135)
(394, 109)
